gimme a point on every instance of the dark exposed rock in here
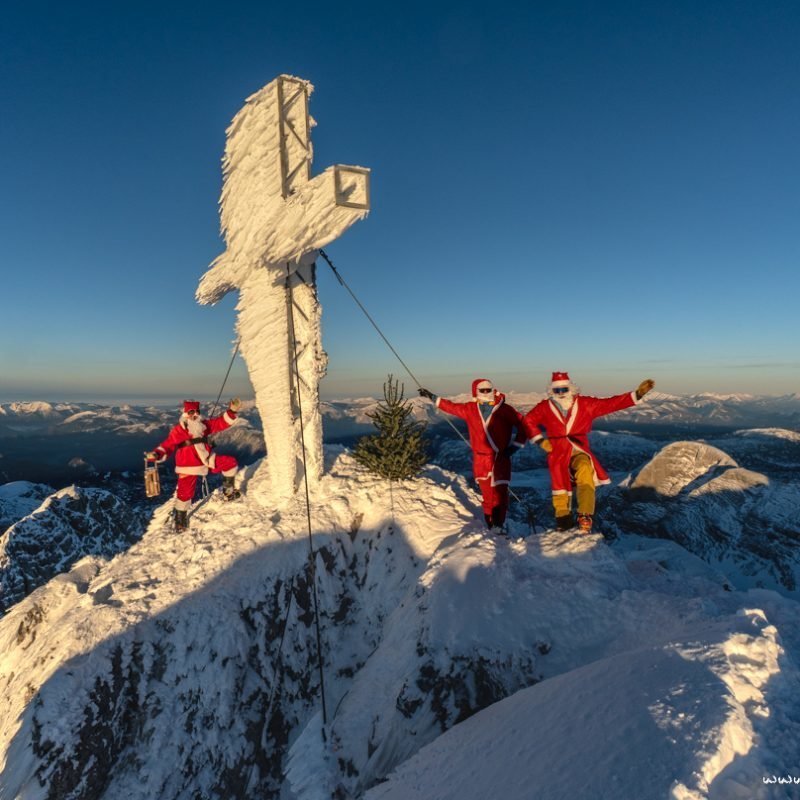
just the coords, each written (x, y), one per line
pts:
(69, 525)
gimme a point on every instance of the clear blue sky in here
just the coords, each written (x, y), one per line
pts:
(608, 188)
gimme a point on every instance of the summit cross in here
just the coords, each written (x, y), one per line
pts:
(275, 218)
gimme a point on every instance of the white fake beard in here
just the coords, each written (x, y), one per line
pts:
(565, 401)
(194, 425)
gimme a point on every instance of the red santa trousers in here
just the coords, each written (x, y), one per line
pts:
(227, 465)
(495, 499)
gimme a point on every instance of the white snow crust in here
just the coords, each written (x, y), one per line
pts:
(627, 672)
(271, 245)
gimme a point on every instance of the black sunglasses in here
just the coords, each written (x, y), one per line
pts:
(484, 391)
(560, 389)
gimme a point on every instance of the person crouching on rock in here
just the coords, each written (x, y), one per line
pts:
(567, 416)
(490, 422)
(194, 457)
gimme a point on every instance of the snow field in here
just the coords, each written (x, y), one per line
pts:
(625, 672)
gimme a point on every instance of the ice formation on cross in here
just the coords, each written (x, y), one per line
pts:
(275, 217)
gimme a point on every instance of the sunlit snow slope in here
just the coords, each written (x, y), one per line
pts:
(181, 669)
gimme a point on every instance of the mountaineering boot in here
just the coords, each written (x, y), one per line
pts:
(565, 522)
(498, 519)
(181, 521)
(585, 523)
(228, 489)
(488, 519)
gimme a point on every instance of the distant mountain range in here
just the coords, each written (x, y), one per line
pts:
(58, 443)
(350, 416)
(699, 410)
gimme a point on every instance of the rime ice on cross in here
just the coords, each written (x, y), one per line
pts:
(275, 217)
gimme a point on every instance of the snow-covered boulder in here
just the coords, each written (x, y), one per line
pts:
(677, 466)
(736, 519)
(68, 525)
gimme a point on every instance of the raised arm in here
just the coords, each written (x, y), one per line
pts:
(448, 406)
(226, 419)
(600, 406)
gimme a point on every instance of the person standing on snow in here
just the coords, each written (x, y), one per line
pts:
(194, 457)
(567, 416)
(490, 422)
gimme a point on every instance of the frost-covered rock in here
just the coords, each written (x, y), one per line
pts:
(68, 525)
(18, 499)
(736, 519)
(187, 666)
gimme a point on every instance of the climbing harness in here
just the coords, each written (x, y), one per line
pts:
(530, 513)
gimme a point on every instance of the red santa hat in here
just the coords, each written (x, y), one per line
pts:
(560, 379)
(191, 405)
(480, 383)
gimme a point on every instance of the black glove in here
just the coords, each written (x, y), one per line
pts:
(426, 393)
(509, 451)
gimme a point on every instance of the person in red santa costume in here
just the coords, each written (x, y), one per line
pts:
(567, 416)
(194, 457)
(490, 422)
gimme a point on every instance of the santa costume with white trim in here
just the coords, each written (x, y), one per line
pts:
(567, 418)
(490, 422)
(193, 454)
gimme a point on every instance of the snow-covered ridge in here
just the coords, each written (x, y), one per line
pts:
(775, 433)
(173, 647)
(18, 499)
(69, 524)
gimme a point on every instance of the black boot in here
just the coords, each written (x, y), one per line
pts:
(498, 520)
(488, 519)
(229, 490)
(565, 522)
(181, 521)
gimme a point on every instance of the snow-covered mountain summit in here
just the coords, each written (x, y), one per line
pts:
(736, 519)
(187, 666)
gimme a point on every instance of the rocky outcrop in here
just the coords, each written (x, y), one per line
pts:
(68, 525)
(735, 519)
(20, 498)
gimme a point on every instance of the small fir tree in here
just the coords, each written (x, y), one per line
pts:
(397, 451)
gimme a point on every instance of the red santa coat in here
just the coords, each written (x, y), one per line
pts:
(195, 458)
(489, 437)
(571, 433)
